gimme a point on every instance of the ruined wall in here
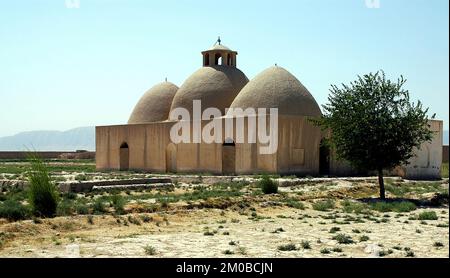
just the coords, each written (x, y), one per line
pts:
(428, 160)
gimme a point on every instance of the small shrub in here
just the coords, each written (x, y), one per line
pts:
(65, 208)
(118, 203)
(81, 209)
(232, 243)
(364, 238)
(305, 244)
(325, 251)
(278, 230)
(343, 239)
(150, 250)
(323, 205)
(287, 247)
(13, 210)
(428, 215)
(98, 206)
(438, 244)
(337, 249)
(242, 250)
(383, 253)
(43, 194)
(208, 233)
(334, 230)
(146, 219)
(133, 220)
(410, 253)
(228, 252)
(267, 185)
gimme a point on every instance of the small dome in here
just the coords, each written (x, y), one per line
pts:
(219, 47)
(275, 87)
(154, 105)
(216, 86)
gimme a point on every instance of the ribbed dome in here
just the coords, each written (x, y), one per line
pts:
(275, 87)
(215, 86)
(154, 105)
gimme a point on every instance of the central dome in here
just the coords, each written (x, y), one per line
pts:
(275, 87)
(215, 86)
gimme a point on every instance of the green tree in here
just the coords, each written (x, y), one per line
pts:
(373, 124)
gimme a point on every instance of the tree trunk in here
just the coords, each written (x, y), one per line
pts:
(381, 183)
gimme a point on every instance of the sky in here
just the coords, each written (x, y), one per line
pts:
(64, 65)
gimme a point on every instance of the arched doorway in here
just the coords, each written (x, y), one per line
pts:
(228, 157)
(171, 158)
(124, 157)
(324, 159)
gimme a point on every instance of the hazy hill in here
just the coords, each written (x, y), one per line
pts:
(82, 138)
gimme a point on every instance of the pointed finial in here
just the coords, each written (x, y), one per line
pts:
(166, 79)
(218, 40)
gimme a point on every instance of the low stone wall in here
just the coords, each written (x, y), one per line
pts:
(89, 185)
(48, 155)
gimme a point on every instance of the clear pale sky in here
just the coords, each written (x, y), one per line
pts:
(62, 68)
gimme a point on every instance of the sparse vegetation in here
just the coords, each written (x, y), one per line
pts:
(363, 238)
(343, 239)
(13, 210)
(324, 205)
(427, 215)
(287, 247)
(150, 250)
(403, 206)
(305, 244)
(267, 185)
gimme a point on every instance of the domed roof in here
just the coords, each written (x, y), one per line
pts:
(154, 105)
(216, 86)
(275, 87)
(219, 47)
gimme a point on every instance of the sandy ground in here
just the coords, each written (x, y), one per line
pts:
(182, 234)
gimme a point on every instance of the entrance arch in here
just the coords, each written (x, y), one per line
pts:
(324, 159)
(124, 157)
(171, 158)
(228, 157)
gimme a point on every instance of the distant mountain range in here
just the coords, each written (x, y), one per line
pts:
(82, 138)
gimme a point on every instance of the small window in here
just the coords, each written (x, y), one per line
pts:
(206, 61)
(218, 59)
